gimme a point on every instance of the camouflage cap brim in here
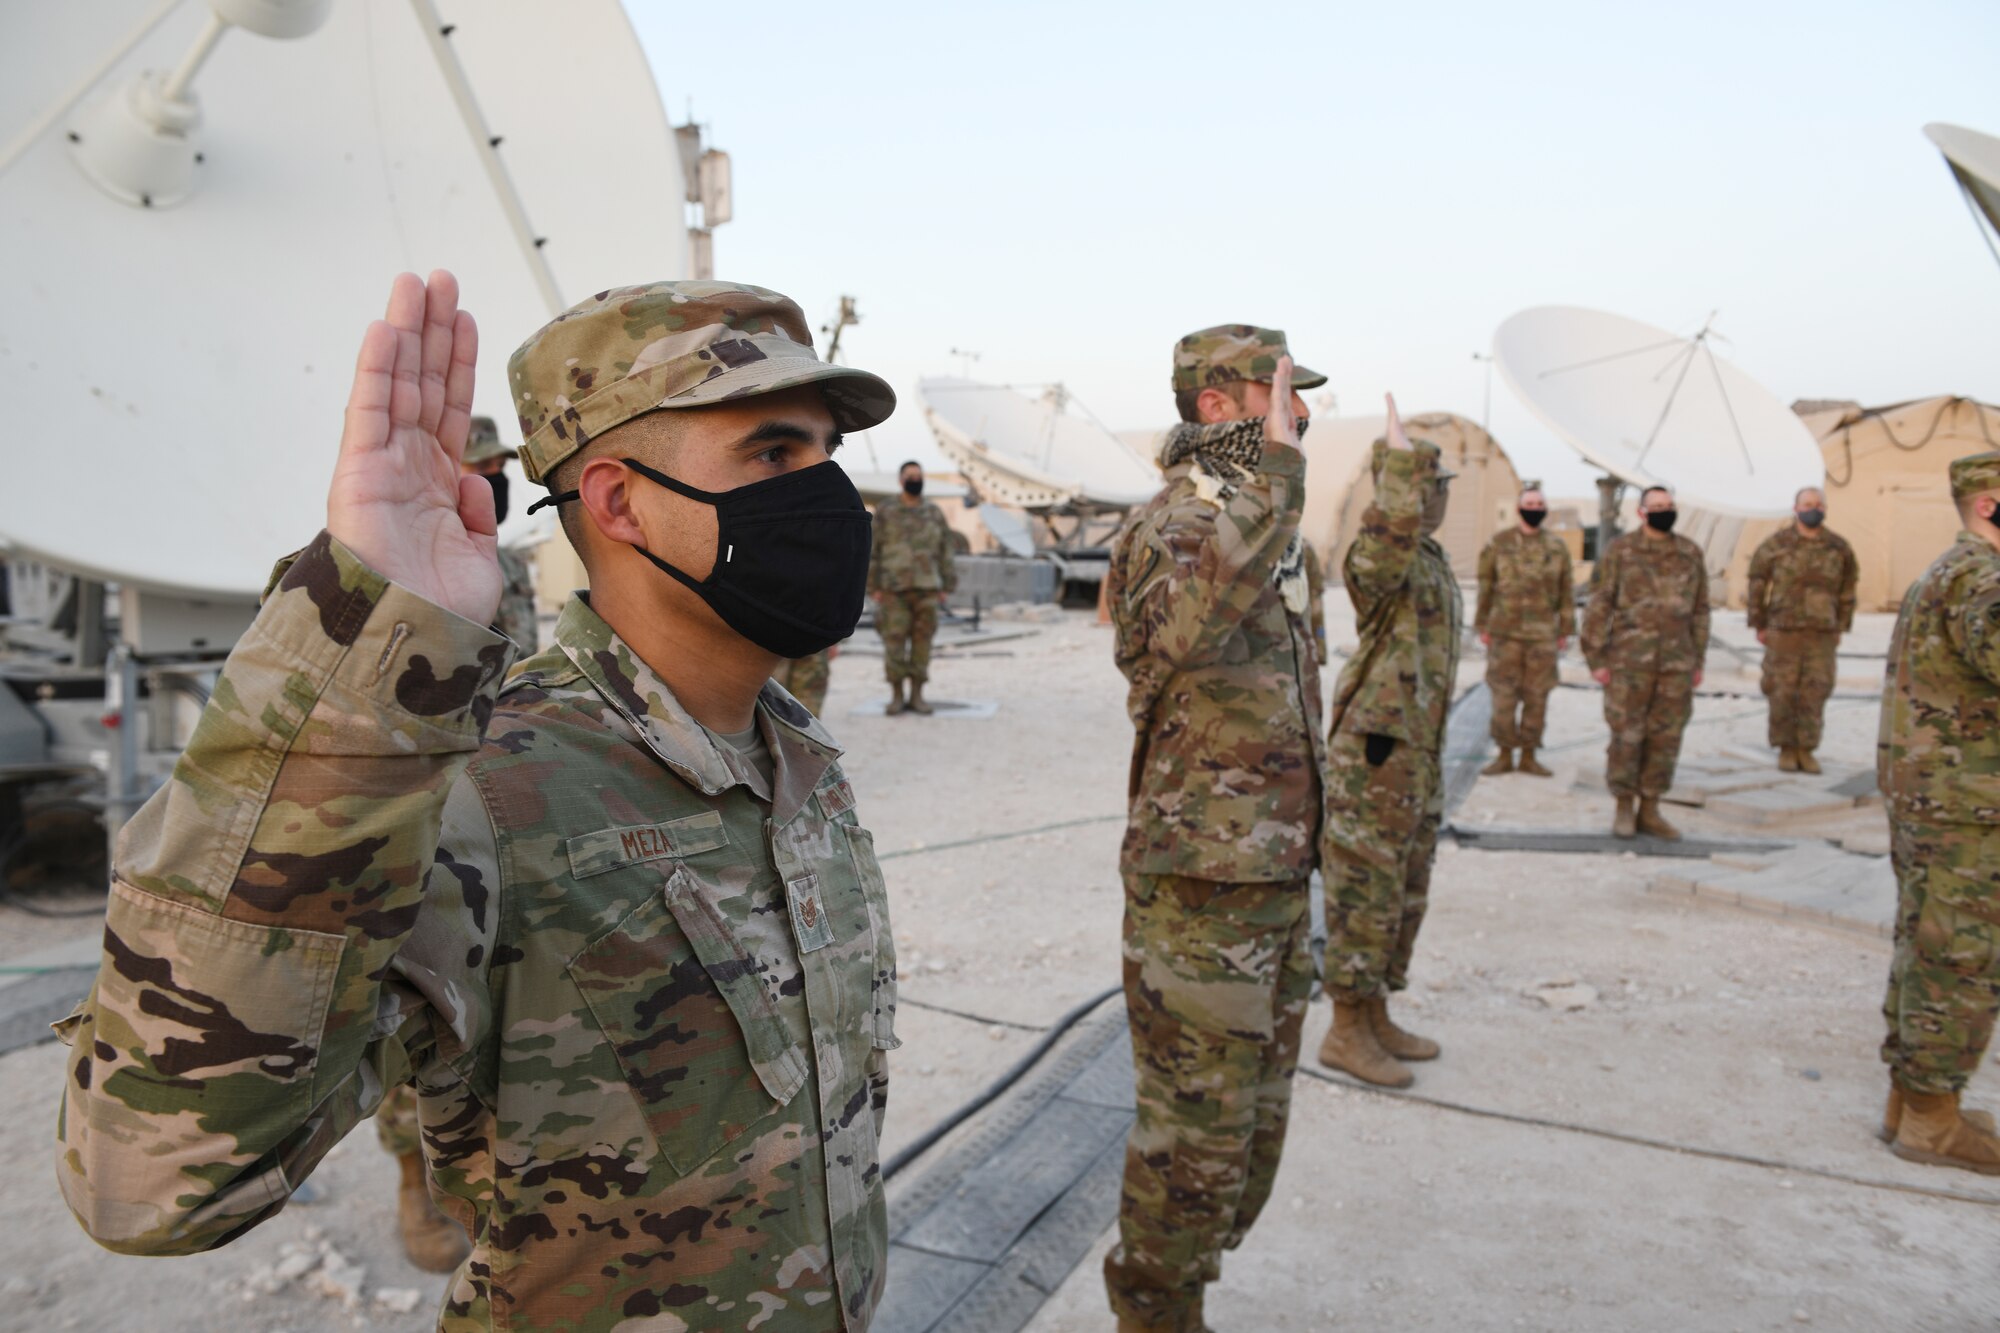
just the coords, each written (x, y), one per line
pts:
(1306, 379)
(857, 399)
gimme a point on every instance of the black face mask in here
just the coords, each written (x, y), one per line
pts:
(1533, 517)
(498, 481)
(913, 486)
(1661, 520)
(791, 557)
(1812, 518)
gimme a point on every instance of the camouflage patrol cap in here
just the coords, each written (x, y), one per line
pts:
(1379, 452)
(482, 442)
(1230, 352)
(1975, 474)
(632, 350)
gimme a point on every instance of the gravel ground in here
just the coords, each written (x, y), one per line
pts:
(1688, 1146)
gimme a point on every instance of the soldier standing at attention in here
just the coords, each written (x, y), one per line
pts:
(1385, 793)
(806, 678)
(615, 918)
(1526, 614)
(486, 457)
(910, 575)
(1207, 592)
(1801, 600)
(1645, 635)
(1938, 763)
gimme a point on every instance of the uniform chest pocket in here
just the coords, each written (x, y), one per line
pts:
(679, 1000)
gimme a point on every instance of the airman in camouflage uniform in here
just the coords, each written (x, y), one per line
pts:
(910, 575)
(806, 678)
(1800, 601)
(1938, 764)
(638, 966)
(1385, 793)
(1208, 597)
(1526, 614)
(1645, 636)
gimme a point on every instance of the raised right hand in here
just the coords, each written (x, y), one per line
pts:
(1394, 433)
(1279, 423)
(398, 499)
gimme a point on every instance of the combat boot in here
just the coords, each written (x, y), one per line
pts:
(1807, 764)
(1621, 823)
(1185, 1320)
(1403, 1045)
(895, 704)
(1503, 763)
(1933, 1131)
(1352, 1046)
(1892, 1115)
(432, 1241)
(1530, 767)
(1654, 824)
(1788, 760)
(917, 704)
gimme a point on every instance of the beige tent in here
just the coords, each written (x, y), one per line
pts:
(1887, 490)
(1339, 486)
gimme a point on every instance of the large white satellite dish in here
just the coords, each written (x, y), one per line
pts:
(1032, 453)
(1974, 159)
(177, 333)
(1656, 408)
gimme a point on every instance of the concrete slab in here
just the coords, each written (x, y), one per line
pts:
(1779, 805)
(1815, 881)
(1555, 840)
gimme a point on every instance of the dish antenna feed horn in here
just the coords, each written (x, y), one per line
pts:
(141, 142)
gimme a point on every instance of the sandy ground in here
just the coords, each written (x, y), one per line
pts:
(1692, 1148)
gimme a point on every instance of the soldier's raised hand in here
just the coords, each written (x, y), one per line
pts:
(1394, 432)
(1279, 423)
(398, 500)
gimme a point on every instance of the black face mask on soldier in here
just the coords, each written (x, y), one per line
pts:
(913, 485)
(791, 556)
(498, 481)
(1661, 520)
(1812, 518)
(1533, 517)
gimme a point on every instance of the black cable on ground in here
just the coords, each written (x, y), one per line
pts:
(969, 1017)
(928, 1139)
(1641, 1141)
(998, 837)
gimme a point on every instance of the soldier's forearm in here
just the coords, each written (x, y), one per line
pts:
(1379, 561)
(259, 898)
(1218, 576)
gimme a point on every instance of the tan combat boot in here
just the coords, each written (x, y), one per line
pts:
(1403, 1045)
(1892, 1115)
(1502, 763)
(1186, 1320)
(1352, 1046)
(1621, 823)
(1933, 1131)
(1654, 824)
(433, 1241)
(917, 704)
(1807, 764)
(1788, 759)
(896, 704)
(1530, 767)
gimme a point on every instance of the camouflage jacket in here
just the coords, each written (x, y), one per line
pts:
(1525, 590)
(1799, 582)
(1316, 593)
(1649, 611)
(645, 1011)
(1224, 699)
(516, 616)
(1407, 608)
(1938, 756)
(913, 549)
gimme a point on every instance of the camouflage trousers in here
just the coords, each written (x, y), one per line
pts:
(1520, 673)
(908, 622)
(1944, 981)
(1647, 711)
(805, 678)
(1216, 981)
(1799, 670)
(1375, 855)
(396, 1124)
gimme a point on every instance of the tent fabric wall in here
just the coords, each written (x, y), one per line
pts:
(1887, 490)
(1339, 487)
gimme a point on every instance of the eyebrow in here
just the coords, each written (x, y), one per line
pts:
(783, 432)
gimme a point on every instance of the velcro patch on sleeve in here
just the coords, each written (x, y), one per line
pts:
(608, 849)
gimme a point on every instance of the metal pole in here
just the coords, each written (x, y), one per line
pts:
(177, 84)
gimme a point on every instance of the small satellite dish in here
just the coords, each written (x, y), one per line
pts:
(1657, 408)
(203, 204)
(1032, 453)
(1974, 159)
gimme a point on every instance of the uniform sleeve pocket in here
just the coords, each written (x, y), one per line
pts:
(875, 893)
(680, 1004)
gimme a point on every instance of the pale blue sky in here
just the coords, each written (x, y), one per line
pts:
(1067, 188)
